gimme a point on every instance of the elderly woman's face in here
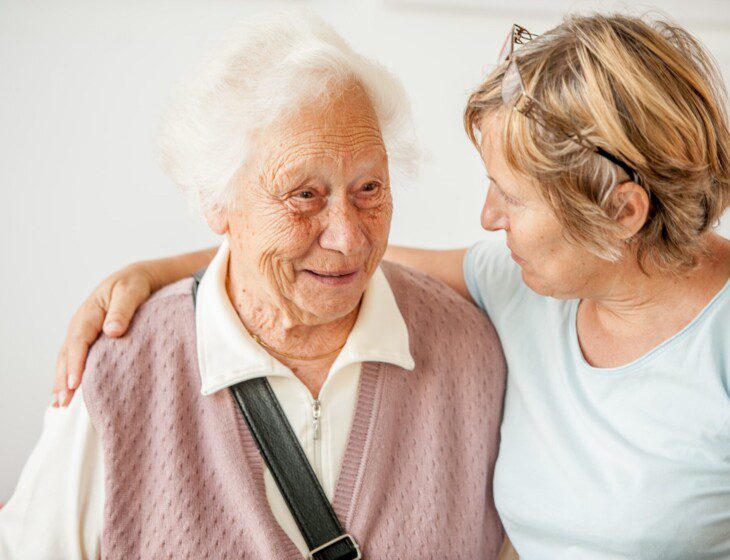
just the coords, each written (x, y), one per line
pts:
(312, 212)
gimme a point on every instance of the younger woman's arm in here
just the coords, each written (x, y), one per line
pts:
(445, 265)
(111, 306)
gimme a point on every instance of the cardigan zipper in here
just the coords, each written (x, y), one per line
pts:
(316, 414)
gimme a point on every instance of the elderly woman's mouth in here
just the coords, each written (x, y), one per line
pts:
(333, 278)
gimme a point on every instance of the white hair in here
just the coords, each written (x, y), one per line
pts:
(263, 69)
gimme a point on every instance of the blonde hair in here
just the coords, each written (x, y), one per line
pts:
(646, 92)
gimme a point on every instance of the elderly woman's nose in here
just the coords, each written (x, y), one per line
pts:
(344, 232)
(493, 215)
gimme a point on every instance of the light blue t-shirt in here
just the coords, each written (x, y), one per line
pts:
(607, 463)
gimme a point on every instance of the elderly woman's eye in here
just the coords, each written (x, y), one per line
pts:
(371, 186)
(305, 194)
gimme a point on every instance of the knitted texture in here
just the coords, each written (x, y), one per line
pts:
(184, 479)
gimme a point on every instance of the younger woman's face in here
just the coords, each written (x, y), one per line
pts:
(550, 264)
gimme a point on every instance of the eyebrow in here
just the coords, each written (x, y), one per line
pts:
(496, 183)
(499, 187)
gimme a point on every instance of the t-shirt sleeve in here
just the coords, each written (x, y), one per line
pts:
(494, 280)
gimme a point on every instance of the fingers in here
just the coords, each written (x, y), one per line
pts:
(110, 308)
(61, 394)
(59, 381)
(126, 297)
(84, 329)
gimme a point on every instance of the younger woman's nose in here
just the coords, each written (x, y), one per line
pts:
(493, 216)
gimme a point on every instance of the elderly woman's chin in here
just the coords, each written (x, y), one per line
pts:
(321, 296)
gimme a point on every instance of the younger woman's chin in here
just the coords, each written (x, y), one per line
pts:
(535, 283)
(549, 288)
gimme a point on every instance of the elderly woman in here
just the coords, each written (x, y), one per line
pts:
(391, 383)
(607, 148)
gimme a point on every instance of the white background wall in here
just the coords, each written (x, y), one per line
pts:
(81, 87)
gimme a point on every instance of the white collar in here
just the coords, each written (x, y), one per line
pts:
(228, 355)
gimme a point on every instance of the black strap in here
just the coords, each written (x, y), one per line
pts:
(290, 468)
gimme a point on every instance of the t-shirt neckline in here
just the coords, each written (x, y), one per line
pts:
(626, 368)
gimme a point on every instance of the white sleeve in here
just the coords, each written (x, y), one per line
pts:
(57, 509)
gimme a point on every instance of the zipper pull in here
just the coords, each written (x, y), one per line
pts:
(316, 412)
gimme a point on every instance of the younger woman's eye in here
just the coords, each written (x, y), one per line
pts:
(507, 197)
(305, 194)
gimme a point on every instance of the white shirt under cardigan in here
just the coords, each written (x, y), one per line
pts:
(57, 508)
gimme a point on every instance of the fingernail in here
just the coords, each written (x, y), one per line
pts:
(71, 381)
(113, 326)
(62, 397)
(54, 400)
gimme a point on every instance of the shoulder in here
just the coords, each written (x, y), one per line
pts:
(412, 288)
(435, 312)
(713, 326)
(155, 317)
(492, 277)
(161, 325)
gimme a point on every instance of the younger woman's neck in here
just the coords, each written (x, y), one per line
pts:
(632, 312)
(633, 296)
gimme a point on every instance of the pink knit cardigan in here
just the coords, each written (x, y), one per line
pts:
(184, 479)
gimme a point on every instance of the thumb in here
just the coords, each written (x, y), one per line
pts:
(125, 299)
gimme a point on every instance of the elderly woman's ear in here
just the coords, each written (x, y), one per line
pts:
(217, 219)
(631, 202)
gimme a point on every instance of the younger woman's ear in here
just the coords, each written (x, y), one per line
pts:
(631, 207)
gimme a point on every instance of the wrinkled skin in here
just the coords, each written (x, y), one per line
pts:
(313, 198)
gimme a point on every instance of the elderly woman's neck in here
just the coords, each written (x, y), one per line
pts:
(307, 347)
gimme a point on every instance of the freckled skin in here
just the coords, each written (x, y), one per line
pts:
(624, 312)
(551, 265)
(314, 196)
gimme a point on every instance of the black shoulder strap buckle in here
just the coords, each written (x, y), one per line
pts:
(325, 546)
